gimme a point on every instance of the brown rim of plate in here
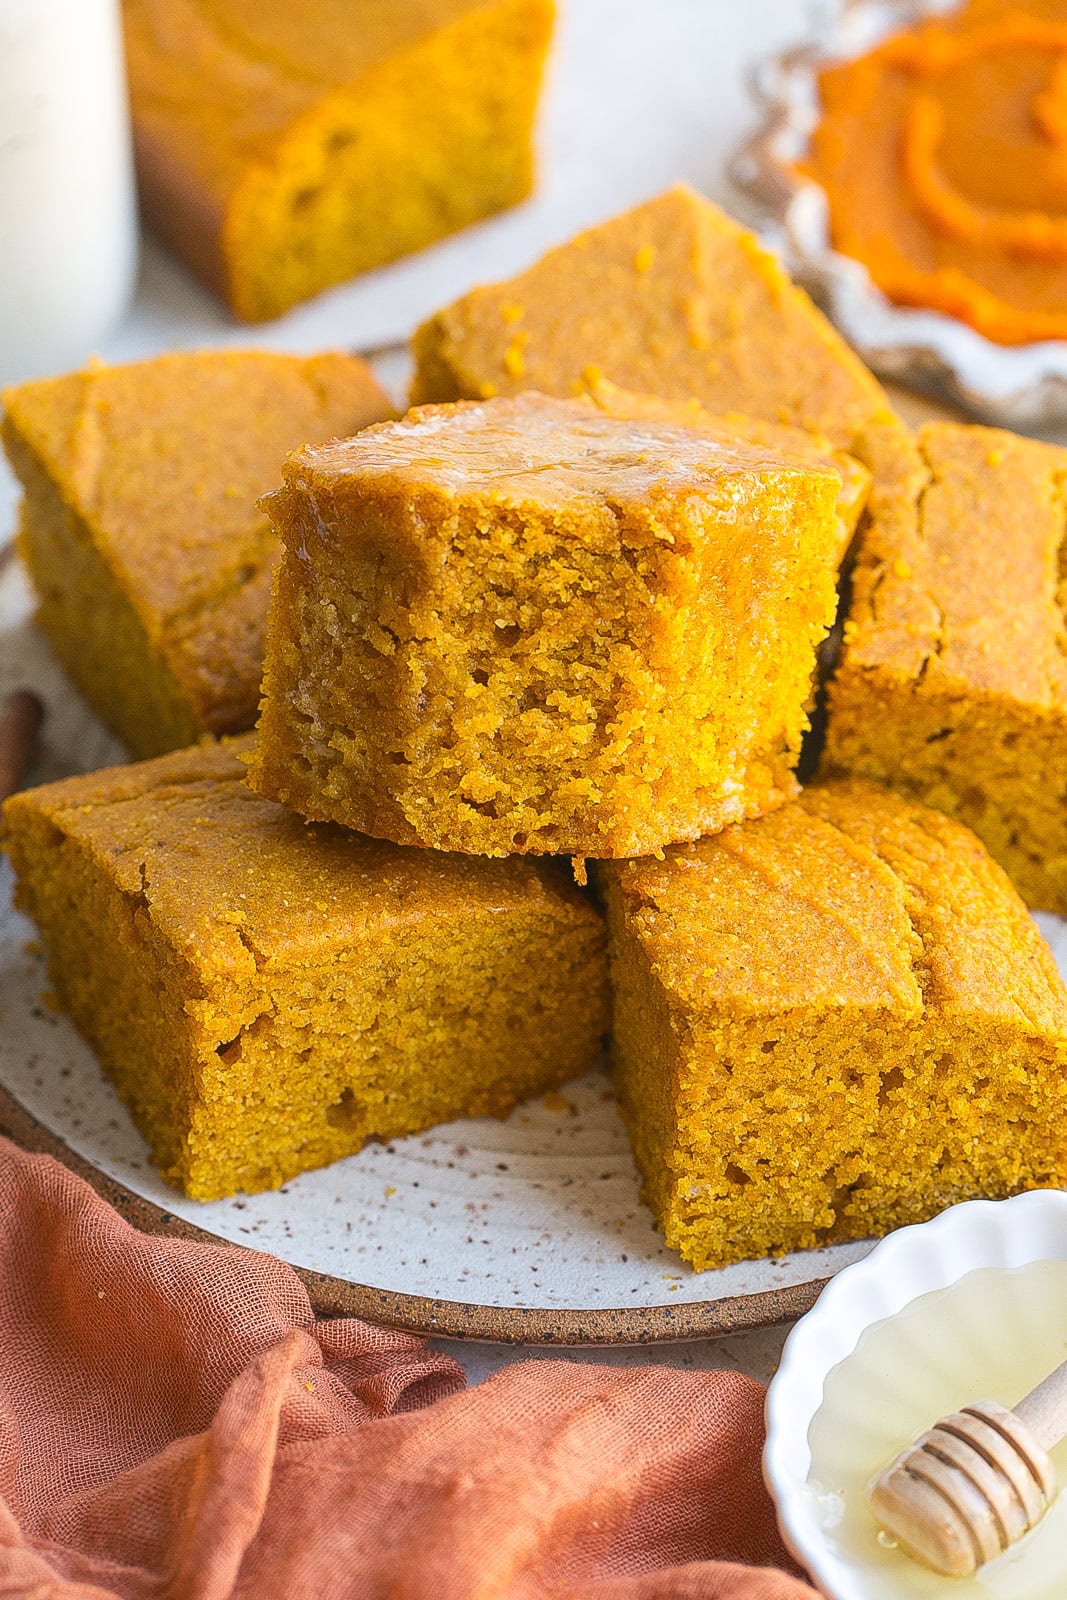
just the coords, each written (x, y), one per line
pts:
(451, 1319)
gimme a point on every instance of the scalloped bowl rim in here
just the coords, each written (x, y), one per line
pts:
(1010, 383)
(911, 1262)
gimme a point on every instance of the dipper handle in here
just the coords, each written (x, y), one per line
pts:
(1044, 1409)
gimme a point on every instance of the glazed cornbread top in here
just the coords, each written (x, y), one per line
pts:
(780, 438)
(971, 592)
(673, 299)
(163, 461)
(852, 895)
(563, 455)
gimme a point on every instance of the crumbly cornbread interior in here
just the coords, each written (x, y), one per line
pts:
(527, 625)
(831, 1022)
(952, 684)
(150, 559)
(281, 152)
(268, 996)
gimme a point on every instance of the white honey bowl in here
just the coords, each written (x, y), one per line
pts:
(912, 1262)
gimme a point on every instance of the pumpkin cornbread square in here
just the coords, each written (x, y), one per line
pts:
(952, 685)
(830, 1022)
(672, 298)
(282, 148)
(526, 625)
(151, 561)
(268, 996)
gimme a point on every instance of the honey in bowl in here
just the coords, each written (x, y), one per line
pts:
(993, 1335)
(943, 157)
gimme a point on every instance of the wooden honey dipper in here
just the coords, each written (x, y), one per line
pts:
(976, 1482)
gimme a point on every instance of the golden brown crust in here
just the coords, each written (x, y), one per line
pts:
(141, 487)
(255, 125)
(852, 895)
(969, 592)
(698, 311)
(187, 827)
(830, 1022)
(216, 87)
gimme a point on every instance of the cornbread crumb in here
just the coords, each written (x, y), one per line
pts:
(514, 361)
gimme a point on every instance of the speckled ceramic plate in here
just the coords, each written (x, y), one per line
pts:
(527, 1230)
(1020, 386)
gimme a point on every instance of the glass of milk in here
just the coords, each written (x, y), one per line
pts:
(68, 222)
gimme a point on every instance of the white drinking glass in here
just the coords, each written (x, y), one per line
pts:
(68, 223)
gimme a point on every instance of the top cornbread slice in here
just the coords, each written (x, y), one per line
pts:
(283, 147)
(151, 561)
(527, 625)
(952, 683)
(829, 1022)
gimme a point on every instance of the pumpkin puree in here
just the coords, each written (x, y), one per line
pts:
(943, 156)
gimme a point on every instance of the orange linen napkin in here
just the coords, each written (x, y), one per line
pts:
(176, 1425)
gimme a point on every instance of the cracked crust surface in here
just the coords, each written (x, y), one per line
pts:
(952, 684)
(892, 903)
(830, 1022)
(268, 995)
(970, 588)
(237, 882)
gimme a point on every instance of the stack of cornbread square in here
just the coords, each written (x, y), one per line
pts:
(569, 609)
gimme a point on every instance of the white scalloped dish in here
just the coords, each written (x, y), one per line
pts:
(970, 1306)
(1018, 386)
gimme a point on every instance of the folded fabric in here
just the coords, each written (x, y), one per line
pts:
(175, 1424)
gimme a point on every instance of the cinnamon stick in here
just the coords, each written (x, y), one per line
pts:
(20, 723)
